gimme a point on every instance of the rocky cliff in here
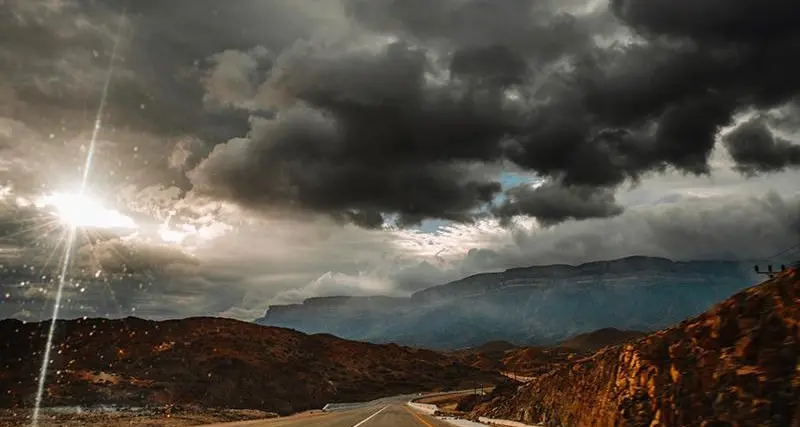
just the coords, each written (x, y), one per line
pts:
(540, 305)
(734, 365)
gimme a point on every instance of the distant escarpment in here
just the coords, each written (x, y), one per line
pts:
(539, 306)
(734, 365)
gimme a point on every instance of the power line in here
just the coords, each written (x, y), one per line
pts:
(785, 251)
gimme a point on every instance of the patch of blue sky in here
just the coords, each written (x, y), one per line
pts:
(507, 180)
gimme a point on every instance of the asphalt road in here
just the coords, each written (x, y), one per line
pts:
(386, 413)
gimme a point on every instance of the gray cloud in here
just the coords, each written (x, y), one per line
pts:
(551, 203)
(733, 227)
(234, 78)
(377, 97)
(383, 111)
(296, 260)
(756, 149)
(741, 20)
(538, 29)
(388, 112)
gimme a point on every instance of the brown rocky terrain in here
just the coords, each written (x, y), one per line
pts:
(213, 362)
(595, 340)
(166, 416)
(528, 361)
(531, 361)
(734, 365)
(486, 356)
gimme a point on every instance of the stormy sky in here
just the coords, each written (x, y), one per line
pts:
(252, 152)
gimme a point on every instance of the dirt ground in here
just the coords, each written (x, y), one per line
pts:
(149, 418)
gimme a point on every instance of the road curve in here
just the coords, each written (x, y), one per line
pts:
(387, 413)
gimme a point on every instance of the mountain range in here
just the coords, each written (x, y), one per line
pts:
(540, 305)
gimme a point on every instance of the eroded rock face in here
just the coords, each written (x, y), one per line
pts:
(735, 365)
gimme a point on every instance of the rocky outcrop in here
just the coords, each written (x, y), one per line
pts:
(735, 365)
(600, 338)
(540, 306)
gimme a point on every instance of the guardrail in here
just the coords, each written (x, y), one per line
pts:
(505, 422)
(433, 409)
(340, 406)
(424, 407)
(445, 393)
(350, 405)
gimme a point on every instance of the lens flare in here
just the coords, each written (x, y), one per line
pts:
(74, 216)
(82, 211)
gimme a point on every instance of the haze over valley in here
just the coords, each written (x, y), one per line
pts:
(534, 306)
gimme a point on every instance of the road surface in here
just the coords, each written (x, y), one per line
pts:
(385, 413)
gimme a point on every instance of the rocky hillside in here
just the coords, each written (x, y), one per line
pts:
(734, 365)
(526, 361)
(600, 338)
(213, 362)
(487, 356)
(539, 306)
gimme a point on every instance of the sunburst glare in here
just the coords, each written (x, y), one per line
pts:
(83, 211)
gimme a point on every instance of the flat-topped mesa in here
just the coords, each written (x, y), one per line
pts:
(540, 305)
(337, 302)
(637, 268)
(735, 364)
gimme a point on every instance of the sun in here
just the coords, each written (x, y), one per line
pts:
(83, 211)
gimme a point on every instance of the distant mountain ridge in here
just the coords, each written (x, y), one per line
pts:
(538, 305)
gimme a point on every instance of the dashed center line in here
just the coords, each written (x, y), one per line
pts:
(370, 417)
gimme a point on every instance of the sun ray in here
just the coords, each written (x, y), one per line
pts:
(99, 264)
(28, 230)
(66, 260)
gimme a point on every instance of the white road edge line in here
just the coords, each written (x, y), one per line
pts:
(370, 417)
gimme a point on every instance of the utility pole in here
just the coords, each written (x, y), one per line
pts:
(770, 272)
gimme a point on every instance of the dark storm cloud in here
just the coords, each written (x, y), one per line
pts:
(494, 65)
(55, 57)
(61, 55)
(534, 28)
(365, 137)
(751, 46)
(756, 149)
(720, 20)
(611, 114)
(553, 202)
(260, 109)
